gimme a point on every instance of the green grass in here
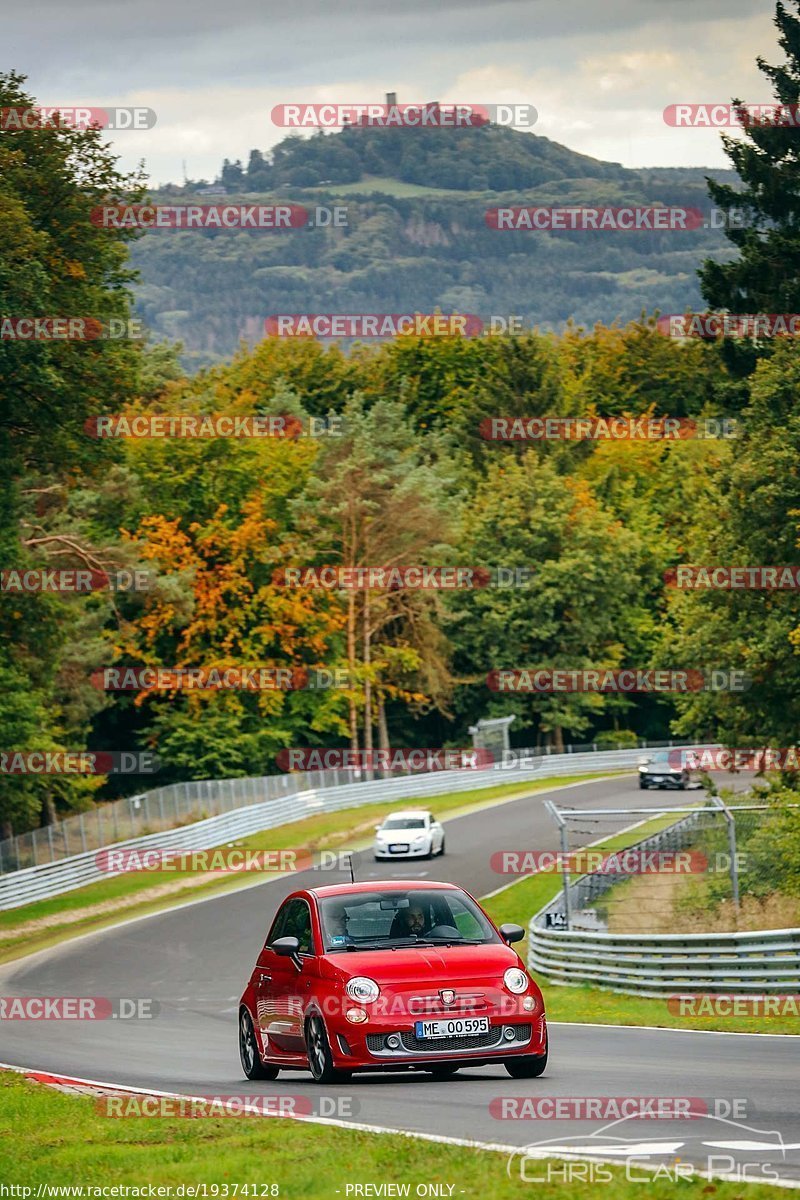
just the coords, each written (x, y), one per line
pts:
(47, 1137)
(349, 828)
(518, 904)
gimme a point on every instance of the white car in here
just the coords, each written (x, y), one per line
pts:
(412, 834)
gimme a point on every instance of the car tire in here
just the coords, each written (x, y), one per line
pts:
(643, 786)
(250, 1059)
(527, 1066)
(441, 848)
(430, 851)
(443, 1072)
(320, 1059)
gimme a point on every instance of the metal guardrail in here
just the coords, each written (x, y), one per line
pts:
(63, 875)
(179, 803)
(648, 964)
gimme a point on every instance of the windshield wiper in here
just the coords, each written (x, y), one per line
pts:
(381, 944)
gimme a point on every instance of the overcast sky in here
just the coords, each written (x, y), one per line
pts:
(599, 72)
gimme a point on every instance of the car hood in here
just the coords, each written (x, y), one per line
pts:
(431, 965)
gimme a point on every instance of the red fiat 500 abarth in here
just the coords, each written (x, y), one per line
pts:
(388, 976)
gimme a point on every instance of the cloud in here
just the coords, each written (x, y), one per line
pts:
(600, 75)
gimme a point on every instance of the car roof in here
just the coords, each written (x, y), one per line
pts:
(381, 885)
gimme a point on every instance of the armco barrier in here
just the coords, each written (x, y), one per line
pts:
(176, 804)
(649, 964)
(646, 964)
(51, 879)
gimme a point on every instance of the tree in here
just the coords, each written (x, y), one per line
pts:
(55, 263)
(578, 611)
(379, 497)
(766, 275)
(750, 516)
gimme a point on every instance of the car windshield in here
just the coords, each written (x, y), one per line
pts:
(404, 823)
(379, 920)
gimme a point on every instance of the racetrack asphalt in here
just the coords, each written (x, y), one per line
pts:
(195, 960)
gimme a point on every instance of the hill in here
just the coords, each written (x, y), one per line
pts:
(416, 237)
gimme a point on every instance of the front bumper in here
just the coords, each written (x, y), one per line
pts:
(365, 1045)
(383, 851)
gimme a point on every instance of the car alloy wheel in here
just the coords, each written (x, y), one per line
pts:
(248, 1051)
(320, 1060)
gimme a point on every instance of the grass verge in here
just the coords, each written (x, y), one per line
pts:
(46, 922)
(48, 1138)
(521, 900)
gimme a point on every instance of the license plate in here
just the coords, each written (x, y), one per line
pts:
(398, 849)
(453, 1027)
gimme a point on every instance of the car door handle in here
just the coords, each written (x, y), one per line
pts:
(264, 977)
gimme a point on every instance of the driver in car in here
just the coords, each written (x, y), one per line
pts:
(409, 921)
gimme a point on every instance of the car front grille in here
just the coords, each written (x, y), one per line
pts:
(428, 1046)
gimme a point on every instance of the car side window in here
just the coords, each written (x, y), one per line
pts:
(298, 924)
(278, 928)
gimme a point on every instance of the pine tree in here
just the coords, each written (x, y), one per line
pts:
(766, 275)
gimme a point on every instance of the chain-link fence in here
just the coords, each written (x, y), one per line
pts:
(721, 868)
(183, 803)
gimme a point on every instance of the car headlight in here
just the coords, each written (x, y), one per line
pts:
(366, 991)
(516, 980)
(420, 837)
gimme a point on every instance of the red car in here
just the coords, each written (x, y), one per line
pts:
(388, 976)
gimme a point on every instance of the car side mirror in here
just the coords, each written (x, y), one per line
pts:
(509, 933)
(378, 828)
(288, 947)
